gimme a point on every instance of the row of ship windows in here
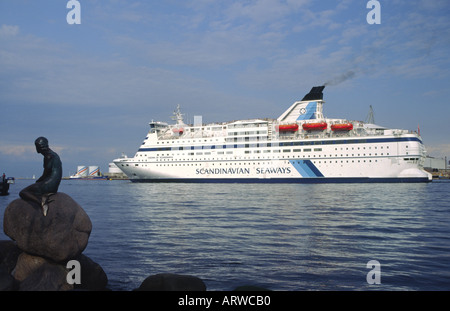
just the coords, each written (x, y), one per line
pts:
(283, 157)
(246, 125)
(163, 156)
(235, 163)
(248, 133)
(245, 139)
(261, 163)
(219, 147)
(245, 158)
(281, 150)
(268, 144)
(188, 141)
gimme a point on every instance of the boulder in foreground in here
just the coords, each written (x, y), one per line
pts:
(172, 282)
(60, 236)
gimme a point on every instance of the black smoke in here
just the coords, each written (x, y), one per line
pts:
(348, 75)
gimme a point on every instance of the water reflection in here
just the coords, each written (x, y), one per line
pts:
(283, 237)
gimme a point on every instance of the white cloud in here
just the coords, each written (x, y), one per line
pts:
(435, 5)
(262, 11)
(37, 71)
(439, 150)
(29, 150)
(17, 150)
(9, 30)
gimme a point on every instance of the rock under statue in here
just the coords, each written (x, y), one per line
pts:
(48, 183)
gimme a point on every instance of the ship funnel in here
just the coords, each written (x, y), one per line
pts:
(316, 93)
(310, 107)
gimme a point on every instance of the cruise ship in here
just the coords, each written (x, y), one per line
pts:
(300, 146)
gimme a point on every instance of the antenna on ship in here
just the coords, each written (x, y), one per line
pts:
(370, 119)
(178, 116)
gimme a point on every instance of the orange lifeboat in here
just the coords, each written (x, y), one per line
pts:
(320, 126)
(342, 127)
(178, 131)
(287, 127)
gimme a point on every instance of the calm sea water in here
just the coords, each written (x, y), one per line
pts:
(283, 237)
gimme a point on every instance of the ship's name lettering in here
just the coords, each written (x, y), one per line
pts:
(266, 170)
(210, 171)
(273, 170)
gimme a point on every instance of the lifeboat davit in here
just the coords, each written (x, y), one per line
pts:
(342, 127)
(287, 127)
(320, 126)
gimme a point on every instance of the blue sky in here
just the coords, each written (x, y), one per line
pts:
(92, 88)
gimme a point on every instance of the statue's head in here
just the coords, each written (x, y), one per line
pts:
(41, 144)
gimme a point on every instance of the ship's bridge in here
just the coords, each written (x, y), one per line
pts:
(155, 127)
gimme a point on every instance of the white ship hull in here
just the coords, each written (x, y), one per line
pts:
(265, 151)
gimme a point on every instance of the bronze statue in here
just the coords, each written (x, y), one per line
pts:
(48, 183)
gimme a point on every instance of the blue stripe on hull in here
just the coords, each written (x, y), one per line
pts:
(306, 168)
(292, 143)
(319, 180)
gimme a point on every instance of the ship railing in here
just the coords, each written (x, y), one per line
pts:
(191, 135)
(328, 134)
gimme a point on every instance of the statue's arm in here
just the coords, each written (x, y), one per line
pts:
(42, 177)
(54, 174)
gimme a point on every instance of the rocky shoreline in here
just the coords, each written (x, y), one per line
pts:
(45, 253)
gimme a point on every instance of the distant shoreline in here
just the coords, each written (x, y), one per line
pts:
(68, 178)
